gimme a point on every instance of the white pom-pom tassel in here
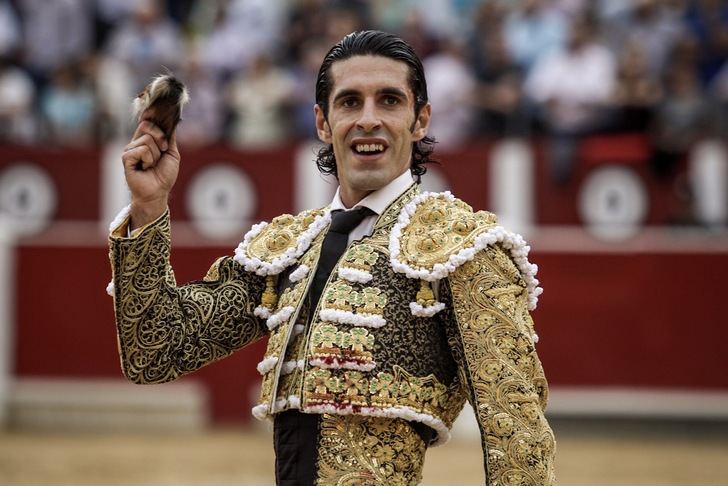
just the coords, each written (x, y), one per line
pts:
(354, 275)
(425, 311)
(260, 411)
(262, 312)
(279, 317)
(267, 364)
(299, 273)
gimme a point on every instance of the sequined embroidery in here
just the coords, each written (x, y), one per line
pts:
(368, 451)
(499, 361)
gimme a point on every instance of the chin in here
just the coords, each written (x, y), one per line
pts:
(370, 180)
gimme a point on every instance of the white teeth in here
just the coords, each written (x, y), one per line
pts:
(370, 147)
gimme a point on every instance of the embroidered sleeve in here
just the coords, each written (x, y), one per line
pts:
(493, 344)
(165, 331)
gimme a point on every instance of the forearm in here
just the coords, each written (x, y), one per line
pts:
(493, 343)
(166, 331)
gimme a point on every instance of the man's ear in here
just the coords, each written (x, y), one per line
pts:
(422, 123)
(323, 130)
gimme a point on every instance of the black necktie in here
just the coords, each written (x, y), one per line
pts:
(335, 242)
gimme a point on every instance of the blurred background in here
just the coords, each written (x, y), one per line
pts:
(595, 128)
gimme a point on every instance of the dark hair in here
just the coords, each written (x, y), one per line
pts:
(375, 43)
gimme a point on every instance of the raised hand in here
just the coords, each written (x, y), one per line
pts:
(151, 164)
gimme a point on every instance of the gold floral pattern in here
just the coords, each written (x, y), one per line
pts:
(438, 229)
(342, 296)
(361, 257)
(280, 235)
(381, 390)
(368, 451)
(352, 345)
(166, 331)
(497, 359)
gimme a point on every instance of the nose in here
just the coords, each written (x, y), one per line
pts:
(368, 117)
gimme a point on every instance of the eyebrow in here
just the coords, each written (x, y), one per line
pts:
(386, 91)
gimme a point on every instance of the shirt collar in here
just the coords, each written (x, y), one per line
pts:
(380, 199)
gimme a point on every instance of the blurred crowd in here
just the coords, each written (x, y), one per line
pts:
(495, 68)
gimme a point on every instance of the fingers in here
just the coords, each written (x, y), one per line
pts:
(139, 158)
(146, 148)
(147, 127)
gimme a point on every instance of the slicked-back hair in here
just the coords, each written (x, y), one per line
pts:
(375, 43)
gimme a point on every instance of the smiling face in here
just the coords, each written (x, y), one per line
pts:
(370, 124)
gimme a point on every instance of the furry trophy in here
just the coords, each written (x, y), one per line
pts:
(162, 101)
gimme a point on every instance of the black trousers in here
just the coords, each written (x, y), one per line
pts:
(295, 441)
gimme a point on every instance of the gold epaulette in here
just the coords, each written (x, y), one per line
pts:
(436, 233)
(269, 248)
(439, 227)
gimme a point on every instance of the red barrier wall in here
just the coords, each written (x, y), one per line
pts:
(644, 319)
(605, 319)
(75, 175)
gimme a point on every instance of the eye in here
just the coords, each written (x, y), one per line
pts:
(349, 102)
(390, 100)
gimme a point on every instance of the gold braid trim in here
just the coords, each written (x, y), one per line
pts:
(165, 331)
(508, 389)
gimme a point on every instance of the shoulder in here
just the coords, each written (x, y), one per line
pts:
(436, 233)
(269, 248)
(431, 230)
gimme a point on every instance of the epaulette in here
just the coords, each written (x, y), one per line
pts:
(269, 248)
(436, 233)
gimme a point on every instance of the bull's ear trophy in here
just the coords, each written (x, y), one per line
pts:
(161, 102)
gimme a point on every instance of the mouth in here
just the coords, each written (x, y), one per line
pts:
(368, 149)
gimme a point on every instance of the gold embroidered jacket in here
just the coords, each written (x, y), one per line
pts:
(429, 310)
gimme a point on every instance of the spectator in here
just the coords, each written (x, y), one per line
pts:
(413, 31)
(636, 91)
(204, 116)
(502, 110)
(708, 22)
(440, 19)
(68, 107)
(307, 20)
(450, 86)
(116, 88)
(652, 27)
(222, 46)
(259, 100)
(240, 32)
(262, 21)
(572, 87)
(304, 77)
(719, 99)
(9, 29)
(145, 42)
(532, 30)
(341, 20)
(55, 33)
(683, 117)
(17, 96)
(109, 13)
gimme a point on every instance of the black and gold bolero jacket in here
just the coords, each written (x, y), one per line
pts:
(429, 310)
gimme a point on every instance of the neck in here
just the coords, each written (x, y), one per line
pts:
(350, 196)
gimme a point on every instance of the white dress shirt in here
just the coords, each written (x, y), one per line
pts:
(377, 201)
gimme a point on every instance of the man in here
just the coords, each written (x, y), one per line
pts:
(385, 311)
